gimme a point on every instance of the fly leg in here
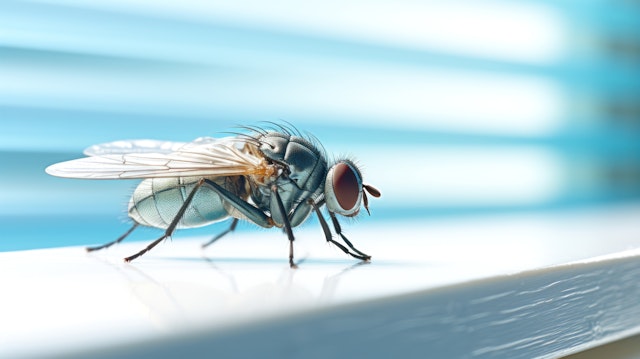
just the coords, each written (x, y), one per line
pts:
(228, 230)
(252, 213)
(256, 215)
(336, 226)
(286, 223)
(328, 236)
(107, 245)
(172, 226)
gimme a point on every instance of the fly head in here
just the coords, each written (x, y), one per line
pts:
(344, 190)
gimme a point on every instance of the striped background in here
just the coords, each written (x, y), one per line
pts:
(452, 108)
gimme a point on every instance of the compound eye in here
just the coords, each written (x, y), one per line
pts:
(345, 185)
(345, 189)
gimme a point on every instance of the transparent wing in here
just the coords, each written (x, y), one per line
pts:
(133, 146)
(204, 157)
(142, 146)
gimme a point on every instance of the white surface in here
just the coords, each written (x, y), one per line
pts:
(507, 286)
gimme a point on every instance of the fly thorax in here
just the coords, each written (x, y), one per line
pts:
(304, 164)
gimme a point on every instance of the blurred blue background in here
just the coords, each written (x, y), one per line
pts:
(453, 108)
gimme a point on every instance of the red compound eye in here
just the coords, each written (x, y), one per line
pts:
(345, 186)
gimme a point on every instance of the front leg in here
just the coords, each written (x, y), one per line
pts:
(336, 226)
(329, 237)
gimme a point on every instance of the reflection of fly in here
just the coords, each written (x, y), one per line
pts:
(270, 178)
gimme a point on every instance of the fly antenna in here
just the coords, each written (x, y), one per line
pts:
(372, 190)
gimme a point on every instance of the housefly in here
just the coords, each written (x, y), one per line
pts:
(273, 177)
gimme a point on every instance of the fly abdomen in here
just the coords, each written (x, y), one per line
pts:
(156, 202)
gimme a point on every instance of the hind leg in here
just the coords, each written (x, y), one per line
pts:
(231, 228)
(120, 239)
(172, 226)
